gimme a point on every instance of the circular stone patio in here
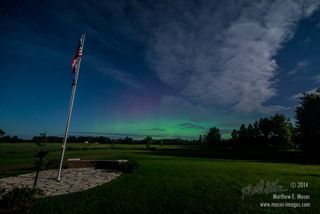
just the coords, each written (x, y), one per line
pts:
(72, 180)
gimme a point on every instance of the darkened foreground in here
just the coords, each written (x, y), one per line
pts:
(175, 179)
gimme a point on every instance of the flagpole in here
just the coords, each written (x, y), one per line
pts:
(73, 94)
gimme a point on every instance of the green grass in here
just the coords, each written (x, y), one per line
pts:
(16, 158)
(172, 181)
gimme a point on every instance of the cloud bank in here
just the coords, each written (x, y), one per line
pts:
(221, 53)
(211, 53)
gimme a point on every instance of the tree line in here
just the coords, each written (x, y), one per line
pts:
(43, 138)
(278, 131)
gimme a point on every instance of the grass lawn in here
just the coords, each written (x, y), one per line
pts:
(170, 182)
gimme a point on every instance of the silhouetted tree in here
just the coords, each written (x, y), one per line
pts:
(242, 134)
(200, 140)
(127, 140)
(9, 139)
(73, 139)
(42, 139)
(235, 135)
(256, 129)
(213, 136)
(276, 130)
(250, 135)
(265, 127)
(148, 141)
(281, 131)
(15, 139)
(161, 143)
(308, 121)
(2, 133)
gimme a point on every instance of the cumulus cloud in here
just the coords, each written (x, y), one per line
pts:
(221, 53)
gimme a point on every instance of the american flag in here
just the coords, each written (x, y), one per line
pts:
(76, 57)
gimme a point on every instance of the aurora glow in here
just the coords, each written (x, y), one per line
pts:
(161, 68)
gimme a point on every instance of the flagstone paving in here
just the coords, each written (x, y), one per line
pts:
(72, 180)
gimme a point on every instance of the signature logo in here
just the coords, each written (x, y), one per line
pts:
(262, 187)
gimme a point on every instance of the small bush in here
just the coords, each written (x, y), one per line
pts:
(19, 199)
(130, 166)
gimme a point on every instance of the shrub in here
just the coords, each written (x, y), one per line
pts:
(130, 166)
(19, 199)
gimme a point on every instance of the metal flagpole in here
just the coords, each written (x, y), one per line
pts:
(74, 88)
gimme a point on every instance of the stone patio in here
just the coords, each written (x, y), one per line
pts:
(72, 180)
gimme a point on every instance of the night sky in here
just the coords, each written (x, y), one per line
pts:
(159, 68)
